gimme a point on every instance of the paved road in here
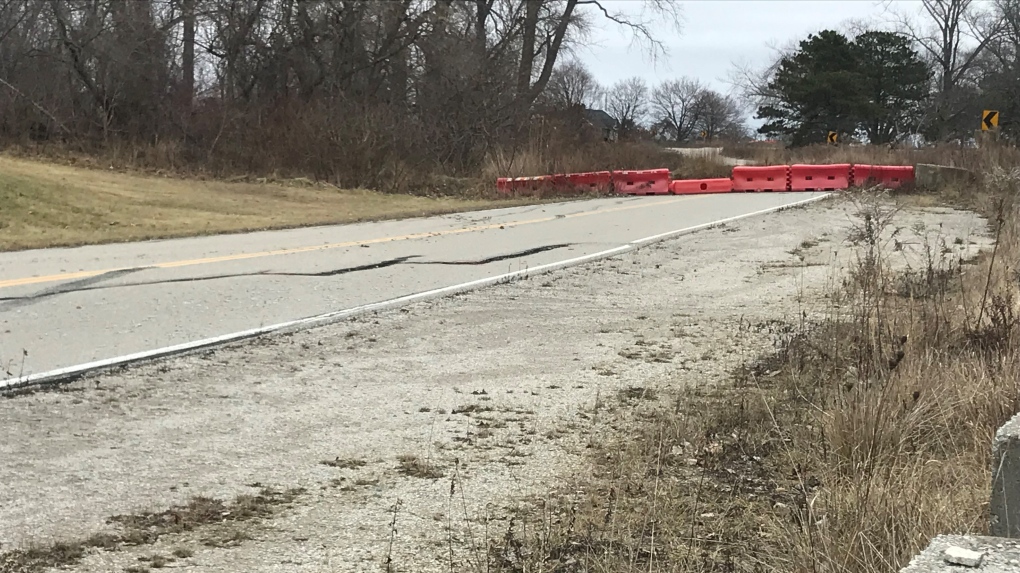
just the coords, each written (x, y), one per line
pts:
(62, 307)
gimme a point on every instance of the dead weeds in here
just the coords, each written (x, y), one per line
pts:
(222, 519)
(413, 466)
(347, 464)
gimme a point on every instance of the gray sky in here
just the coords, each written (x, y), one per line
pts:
(717, 33)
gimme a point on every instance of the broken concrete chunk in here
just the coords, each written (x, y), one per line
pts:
(965, 557)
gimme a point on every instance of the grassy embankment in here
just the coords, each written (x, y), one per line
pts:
(64, 199)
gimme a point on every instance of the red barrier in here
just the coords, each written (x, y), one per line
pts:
(862, 175)
(560, 184)
(771, 178)
(647, 182)
(696, 186)
(894, 176)
(503, 185)
(596, 182)
(530, 185)
(819, 177)
(889, 176)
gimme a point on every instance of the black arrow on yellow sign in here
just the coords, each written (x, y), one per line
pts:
(833, 137)
(989, 119)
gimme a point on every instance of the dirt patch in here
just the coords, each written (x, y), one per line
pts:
(534, 374)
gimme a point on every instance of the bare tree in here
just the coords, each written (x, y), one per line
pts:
(188, 13)
(572, 86)
(1006, 45)
(751, 82)
(953, 35)
(1000, 69)
(627, 101)
(676, 106)
(546, 24)
(719, 116)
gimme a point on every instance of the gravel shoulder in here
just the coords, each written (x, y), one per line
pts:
(442, 416)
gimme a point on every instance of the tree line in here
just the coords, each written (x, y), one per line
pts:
(365, 93)
(350, 91)
(680, 110)
(920, 79)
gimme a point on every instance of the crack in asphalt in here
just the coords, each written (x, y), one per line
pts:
(90, 284)
(71, 286)
(499, 258)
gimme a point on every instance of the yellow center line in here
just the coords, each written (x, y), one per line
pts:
(243, 256)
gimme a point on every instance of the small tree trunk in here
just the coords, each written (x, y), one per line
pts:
(188, 59)
(527, 64)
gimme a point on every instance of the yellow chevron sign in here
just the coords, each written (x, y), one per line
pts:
(989, 119)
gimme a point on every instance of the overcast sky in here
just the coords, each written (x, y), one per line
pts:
(717, 33)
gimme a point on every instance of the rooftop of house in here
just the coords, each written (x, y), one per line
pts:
(599, 118)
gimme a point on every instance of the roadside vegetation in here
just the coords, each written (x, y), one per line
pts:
(863, 435)
(47, 204)
(67, 200)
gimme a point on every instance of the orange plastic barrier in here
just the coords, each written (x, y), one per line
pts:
(595, 182)
(560, 184)
(696, 186)
(771, 178)
(647, 182)
(530, 185)
(889, 176)
(601, 182)
(819, 177)
(861, 175)
(894, 176)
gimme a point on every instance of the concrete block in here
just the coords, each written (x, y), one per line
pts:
(965, 553)
(936, 177)
(955, 555)
(1005, 500)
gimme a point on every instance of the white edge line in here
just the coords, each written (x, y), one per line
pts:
(71, 373)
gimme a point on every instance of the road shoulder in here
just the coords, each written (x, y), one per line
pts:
(434, 421)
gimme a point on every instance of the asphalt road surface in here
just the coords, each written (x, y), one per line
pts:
(63, 307)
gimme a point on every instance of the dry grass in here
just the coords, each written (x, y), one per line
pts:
(223, 520)
(412, 466)
(864, 435)
(46, 205)
(346, 463)
(71, 199)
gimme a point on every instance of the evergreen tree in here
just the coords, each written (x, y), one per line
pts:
(873, 86)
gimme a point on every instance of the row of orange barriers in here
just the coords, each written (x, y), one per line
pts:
(745, 178)
(647, 182)
(820, 177)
